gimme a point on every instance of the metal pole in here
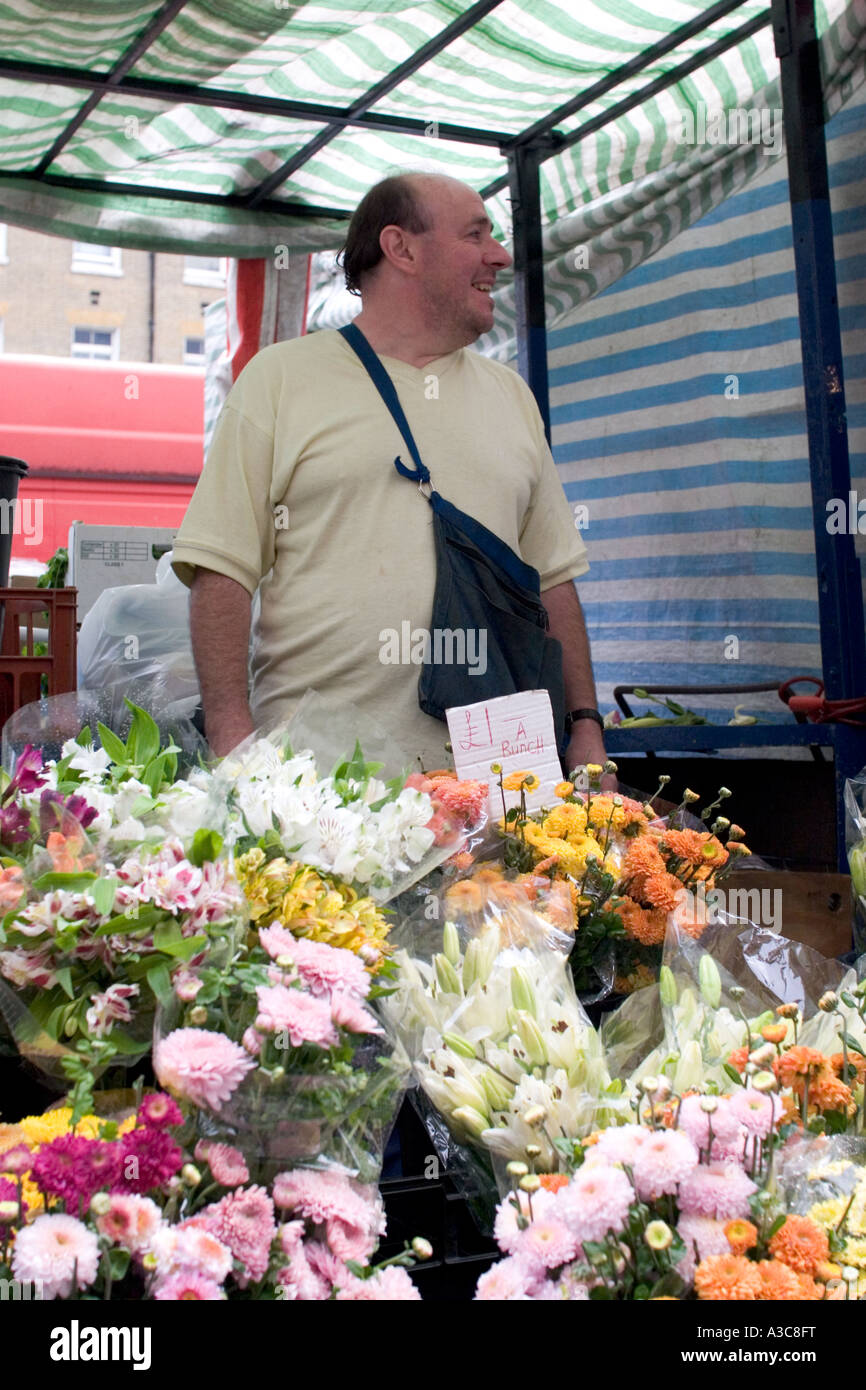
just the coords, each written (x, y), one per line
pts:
(523, 180)
(840, 599)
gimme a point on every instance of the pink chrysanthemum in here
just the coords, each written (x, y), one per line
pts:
(298, 1281)
(756, 1111)
(303, 1017)
(721, 1190)
(662, 1162)
(190, 1249)
(329, 1268)
(508, 1281)
(595, 1202)
(228, 1165)
(53, 1251)
(704, 1234)
(149, 1157)
(619, 1144)
(198, 1065)
(130, 1221)
(244, 1221)
(178, 1288)
(352, 1219)
(251, 1042)
(159, 1111)
(509, 1223)
(348, 1012)
(724, 1122)
(323, 968)
(547, 1242)
(389, 1285)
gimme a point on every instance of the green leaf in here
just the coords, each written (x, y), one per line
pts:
(733, 1074)
(64, 979)
(153, 775)
(119, 925)
(166, 934)
(853, 1045)
(118, 1262)
(103, 892)
(75, 883)
(113, 746)
(160, 982)
(143, 740)
(206, 845)
(84, 737)
(776, 1226)
(185, 948)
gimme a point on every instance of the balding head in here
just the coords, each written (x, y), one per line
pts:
(401, 200)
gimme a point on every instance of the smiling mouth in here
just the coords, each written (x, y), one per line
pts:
(486, 287)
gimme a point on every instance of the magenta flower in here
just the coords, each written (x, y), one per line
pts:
(159, 1111)
(149, 1157)
(66, 814)
(200, 1066)
(59, 1169)
(14, 824)
(27, 776)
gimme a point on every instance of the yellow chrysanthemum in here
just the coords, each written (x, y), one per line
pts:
(855, 1252)
(828, 1213)
(515, 780)
(571, 855)
(567, 822)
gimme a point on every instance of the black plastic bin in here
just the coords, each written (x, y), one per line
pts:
(11, 470)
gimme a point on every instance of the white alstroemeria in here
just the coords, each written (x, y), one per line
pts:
(184, 809)
(128, 829)
(124, 799)
(90, 761)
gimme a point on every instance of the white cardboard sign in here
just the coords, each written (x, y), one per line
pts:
(513, 730)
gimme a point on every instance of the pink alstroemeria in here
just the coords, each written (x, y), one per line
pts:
(26, 778)
(109, 1008)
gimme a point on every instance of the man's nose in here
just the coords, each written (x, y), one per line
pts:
(497, 255)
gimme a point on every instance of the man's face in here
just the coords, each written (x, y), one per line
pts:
(458, 261)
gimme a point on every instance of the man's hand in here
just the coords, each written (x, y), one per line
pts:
(219, 615)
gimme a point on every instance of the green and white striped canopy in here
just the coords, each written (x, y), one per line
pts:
(236, 126)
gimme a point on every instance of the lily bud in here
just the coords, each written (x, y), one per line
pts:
(522, 994)
(532, 1038)
(471, 1120)
(446, 975)
(710, 982)
(534, 1116)
(497, 1090)
(667, 986)
(690, 1068)
(470, 965)
(421, 1248)
(459, 1044)
(451, 943)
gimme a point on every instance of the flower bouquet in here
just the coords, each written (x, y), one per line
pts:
(487, 1011)
(116, 1209)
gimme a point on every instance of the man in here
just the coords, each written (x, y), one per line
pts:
(300, 493)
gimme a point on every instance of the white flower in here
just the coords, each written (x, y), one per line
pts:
(91, 761)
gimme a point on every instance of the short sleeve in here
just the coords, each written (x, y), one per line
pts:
(549, 539)
(229, 524)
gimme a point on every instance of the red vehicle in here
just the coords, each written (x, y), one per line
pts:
(110, 443)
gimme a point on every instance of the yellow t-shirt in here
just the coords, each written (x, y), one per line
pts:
(299, 494)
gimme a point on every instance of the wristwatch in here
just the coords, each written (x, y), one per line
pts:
(575, 715)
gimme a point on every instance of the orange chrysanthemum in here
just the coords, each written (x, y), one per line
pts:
(778, 1281)
(801, 1244)
(809, 1289)
(741, 1235)
(488, 873)
(738, 1058)
(728, 1278)
(464, 896)
(662, 890)
(827, 1092)
(685, 844)
(855, 1061)
(461, 861)
(552, 1182)
(642, 925)
(796, 1064)
(563, 789)
(774, 1032)
(642, 857)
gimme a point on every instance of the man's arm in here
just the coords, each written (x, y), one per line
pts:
(219, 616)
(586, 744)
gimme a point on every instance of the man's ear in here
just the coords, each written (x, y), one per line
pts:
(396, 247)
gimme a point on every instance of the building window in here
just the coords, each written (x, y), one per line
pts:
(4, 254)
(193, 352)
(90, 259)
(98, 344)
(204, 270)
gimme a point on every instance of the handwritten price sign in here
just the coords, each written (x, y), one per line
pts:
(515, 731)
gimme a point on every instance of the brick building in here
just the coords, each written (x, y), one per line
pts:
(62, 298)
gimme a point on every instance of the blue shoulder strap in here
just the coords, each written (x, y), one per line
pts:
(385, 386)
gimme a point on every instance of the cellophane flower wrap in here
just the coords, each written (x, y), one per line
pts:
(486, 1008)
(118, 1207)
(855, 844)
